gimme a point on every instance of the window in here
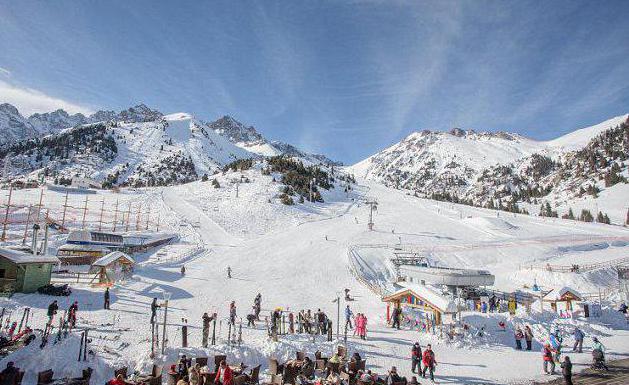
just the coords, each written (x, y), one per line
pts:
(3, 273)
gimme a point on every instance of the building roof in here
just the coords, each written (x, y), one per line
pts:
(556, 295)
(112, 257)
(146, 238)
(21, 257)
(430, 294)
(79, 247)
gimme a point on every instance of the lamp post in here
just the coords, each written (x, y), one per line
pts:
(166, 298)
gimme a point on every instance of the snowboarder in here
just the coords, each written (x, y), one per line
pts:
(206, 328)
(72, 314)
(566, 370)
(229, 272)
(52, 310)
(154, 307)
(232, 312)
(578, 340)
(518, 338)
(106, 299)
(547, 356)
(183, 270)
(528, 336)
(428, 359)
(348, 317)
(416, 358)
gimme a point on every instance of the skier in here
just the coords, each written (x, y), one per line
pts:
(206, 328)
(518, 338)
(348, 317)
(251, 318)
(528, 336)
(154, 307)
(106, 302)
(429, 362)
(183, 270)
(232, 312)
(321, 323)
(547, 356)
(566, 370)
(52, 310)
(72, 313)
(416, 358)
(229, 272)
(578, 340)
(361, 326)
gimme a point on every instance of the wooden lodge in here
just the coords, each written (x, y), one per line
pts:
(112, 266)
(412, 297)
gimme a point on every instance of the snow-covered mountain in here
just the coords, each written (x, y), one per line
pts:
(248, 138)
(137, 146)
(502, 169)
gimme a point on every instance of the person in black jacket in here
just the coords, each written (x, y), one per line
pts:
(154, 307)
(106, 304)
(566, 370)
(9, 374)
(416, 358)
(52, 310)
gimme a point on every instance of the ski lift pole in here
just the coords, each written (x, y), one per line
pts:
(229, 334)
(166, 298)
(214, 330)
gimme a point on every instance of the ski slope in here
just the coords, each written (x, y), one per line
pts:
(297, 258)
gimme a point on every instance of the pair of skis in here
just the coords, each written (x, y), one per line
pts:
(83, 345)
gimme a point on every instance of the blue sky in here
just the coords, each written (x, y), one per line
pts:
(343, 78)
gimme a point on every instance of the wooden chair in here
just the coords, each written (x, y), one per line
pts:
(122, 371)
(202, 361)
(19, 377)
(240, 380)
(217, 361)
(254, 376)
(301, 356)
(274, 366)
(156, 379)
(290, 374)
(45, 377)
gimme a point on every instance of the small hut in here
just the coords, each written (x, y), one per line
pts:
(423, 299)
(563, 299)
(24, 272)
(113, 266)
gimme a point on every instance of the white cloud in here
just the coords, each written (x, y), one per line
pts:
(5, 71)
(29, 101)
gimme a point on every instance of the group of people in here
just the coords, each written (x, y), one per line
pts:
(427, 359)
(53, 308)
(526, 335)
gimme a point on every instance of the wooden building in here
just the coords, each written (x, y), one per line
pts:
(563, 299)
(424, 299)
(112, 267)
(24, 272)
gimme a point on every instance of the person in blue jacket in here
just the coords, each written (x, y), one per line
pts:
(578, 340)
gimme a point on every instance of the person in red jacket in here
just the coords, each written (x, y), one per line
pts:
(428, 359)
(547, 354)
(224, 376)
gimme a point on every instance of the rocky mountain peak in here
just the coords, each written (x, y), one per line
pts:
(235, 131)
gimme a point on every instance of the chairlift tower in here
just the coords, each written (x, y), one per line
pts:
(373, 205)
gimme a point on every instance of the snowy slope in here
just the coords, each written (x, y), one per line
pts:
(581, 137)
(301, 262)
